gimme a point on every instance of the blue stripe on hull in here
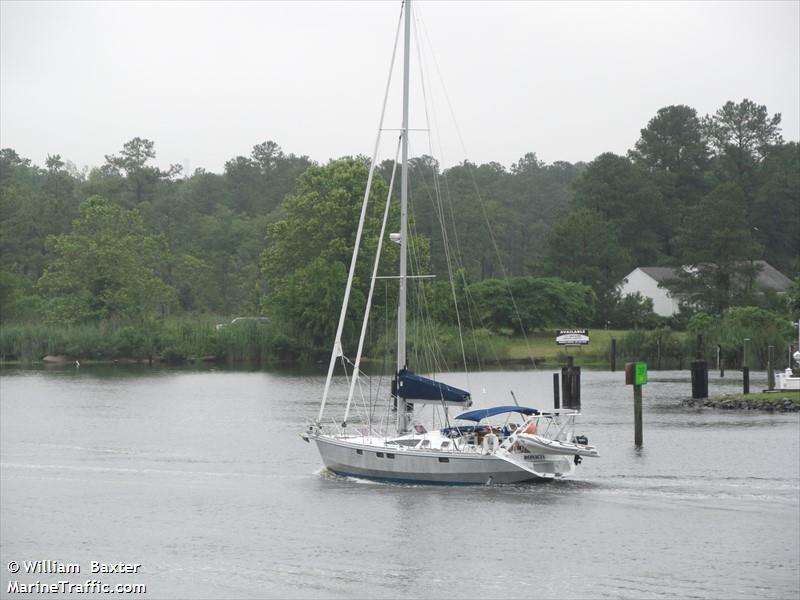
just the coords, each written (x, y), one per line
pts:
(405, 481)
(426, 482)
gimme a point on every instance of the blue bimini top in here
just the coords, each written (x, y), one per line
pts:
(483, 413)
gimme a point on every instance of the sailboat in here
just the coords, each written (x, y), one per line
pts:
(497, 445)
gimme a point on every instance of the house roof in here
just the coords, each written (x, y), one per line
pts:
(660, 273)
(769, 278)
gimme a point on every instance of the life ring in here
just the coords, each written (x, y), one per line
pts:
(531, 428)
(490, 443)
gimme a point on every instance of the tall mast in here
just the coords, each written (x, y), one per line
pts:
(401, 310)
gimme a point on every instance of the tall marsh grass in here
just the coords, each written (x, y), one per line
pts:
(171, 340)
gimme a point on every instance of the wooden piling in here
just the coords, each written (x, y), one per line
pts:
(556, 398)
(636, 375)
(699, 379)
(770, 368)
(571, 385)
(637, 416)
(613, 354)
(745, 366)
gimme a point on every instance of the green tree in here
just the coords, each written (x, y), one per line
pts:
(674, 149)
(793, 299)
(741, 135)
(776, 212)
(18, 300)
(764, 328)
(626, 195)
(527, 164)
(492, 221)
(33, 204)
(259, 182)
(132, 164)
(632, 311)
(530, 303)
(309, 301)
(22, 230)
(54, 163)
(465, 215)
(673, 141)
(534, 198)
(105, 269)
(231, 245)
(584, 247)
(718, 249)
(308, 251)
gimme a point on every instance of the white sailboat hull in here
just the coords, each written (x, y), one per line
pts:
(351, 457)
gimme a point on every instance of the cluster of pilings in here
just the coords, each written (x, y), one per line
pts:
(570, 387)
(699, 368)
(567, 384)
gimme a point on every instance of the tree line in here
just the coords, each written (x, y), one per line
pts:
(127, 243)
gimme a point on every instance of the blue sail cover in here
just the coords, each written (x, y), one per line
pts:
(415, 387)
(483, 413)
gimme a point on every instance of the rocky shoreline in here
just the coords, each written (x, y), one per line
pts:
(781, 403)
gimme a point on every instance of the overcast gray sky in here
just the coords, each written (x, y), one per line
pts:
(206, 81)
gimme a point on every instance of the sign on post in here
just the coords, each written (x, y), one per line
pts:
(636, 373)
(640, 376)
(572, 337)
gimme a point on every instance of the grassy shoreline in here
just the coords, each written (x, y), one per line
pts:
(214, 339)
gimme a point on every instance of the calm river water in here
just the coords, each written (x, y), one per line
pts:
(200, 477)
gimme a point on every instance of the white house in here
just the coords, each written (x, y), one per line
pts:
(648, 281)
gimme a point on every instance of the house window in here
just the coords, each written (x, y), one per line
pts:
(389, 455)
(442, 459)
(379, 454)
(359, 452)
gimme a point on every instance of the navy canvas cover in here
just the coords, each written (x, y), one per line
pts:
(483, 413)
(411, 386)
